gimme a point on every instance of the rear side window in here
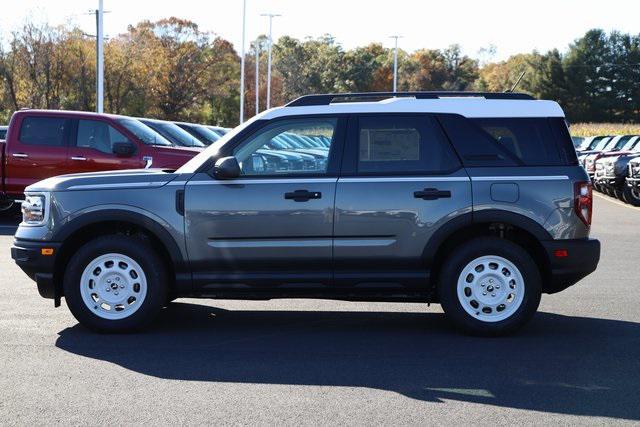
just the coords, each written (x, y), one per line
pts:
(403, 144)
(48, 131)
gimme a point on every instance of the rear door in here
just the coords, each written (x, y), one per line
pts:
(91, 148)
(37, 150)
(401, 182)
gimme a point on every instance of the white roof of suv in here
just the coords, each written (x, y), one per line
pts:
(468, 104)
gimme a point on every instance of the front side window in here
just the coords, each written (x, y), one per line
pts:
(98, 136)
(402, 144)
(48, 131)
(265, 152)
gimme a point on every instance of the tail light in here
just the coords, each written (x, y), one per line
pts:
(584, 201)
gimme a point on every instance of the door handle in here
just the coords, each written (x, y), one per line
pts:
(20, 155)
(78, 158)
(302, 195)
(432, 194)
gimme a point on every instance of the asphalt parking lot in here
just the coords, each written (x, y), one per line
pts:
(325, 362)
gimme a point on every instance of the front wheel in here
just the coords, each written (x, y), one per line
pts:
(115, 283)
(489, 286)
(631, 195)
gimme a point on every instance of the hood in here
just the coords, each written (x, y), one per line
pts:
(109, 180)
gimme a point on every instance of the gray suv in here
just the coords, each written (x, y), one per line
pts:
(475, 201)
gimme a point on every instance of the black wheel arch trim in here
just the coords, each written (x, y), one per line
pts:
(124, 215)
(454, 225)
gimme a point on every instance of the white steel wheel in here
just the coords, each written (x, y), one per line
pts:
(490, 288)
(113, 286)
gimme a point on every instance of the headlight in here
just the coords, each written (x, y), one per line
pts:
(34, 209)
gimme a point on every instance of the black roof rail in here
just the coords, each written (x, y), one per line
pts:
(326, 99)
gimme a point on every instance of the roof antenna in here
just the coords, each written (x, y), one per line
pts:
(516, 83)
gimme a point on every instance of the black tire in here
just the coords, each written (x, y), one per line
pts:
(460, 257)
(139, 250)
(618, 194)
(629, 197)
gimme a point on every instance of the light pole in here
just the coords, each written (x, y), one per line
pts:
(395, 62)
(271, 16)
(100, 55)
(257, 75)
(244, 21)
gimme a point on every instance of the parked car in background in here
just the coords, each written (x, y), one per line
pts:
(599, 146)
(590, 143)
(45, 143)
(613, 145)
(633, 181)
(3, 132)
(218, 129)
(611, 170)
(202, 133)
(173, 133)
(471, 200)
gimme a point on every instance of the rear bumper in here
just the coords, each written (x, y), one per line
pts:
(582, 257)
(40, 268)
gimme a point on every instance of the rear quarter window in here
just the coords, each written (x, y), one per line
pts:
(507, 141)
(528, 139)
(47, 131)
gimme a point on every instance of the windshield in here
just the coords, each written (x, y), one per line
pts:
(175, 133)
(143, 132)
(622, 142)
(192, 165)
(631, 142)
(594, 142)
(603, 143)
(205, 135)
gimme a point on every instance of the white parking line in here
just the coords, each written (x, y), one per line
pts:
(616, 201)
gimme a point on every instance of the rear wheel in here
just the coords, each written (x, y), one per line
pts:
(115, 283)
(489, 286)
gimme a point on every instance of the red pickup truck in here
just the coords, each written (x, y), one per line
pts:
(45, 143)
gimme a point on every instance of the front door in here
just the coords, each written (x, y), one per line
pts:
(401, 182)
(272, 227)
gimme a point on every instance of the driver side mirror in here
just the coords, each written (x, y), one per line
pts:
(227, 168)
(123, 149)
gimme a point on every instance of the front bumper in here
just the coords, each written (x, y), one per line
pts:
(29, 256)
(582, 256)
(610, 181)
(633, 182)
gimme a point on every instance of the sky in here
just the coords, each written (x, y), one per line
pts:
(511, 26)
